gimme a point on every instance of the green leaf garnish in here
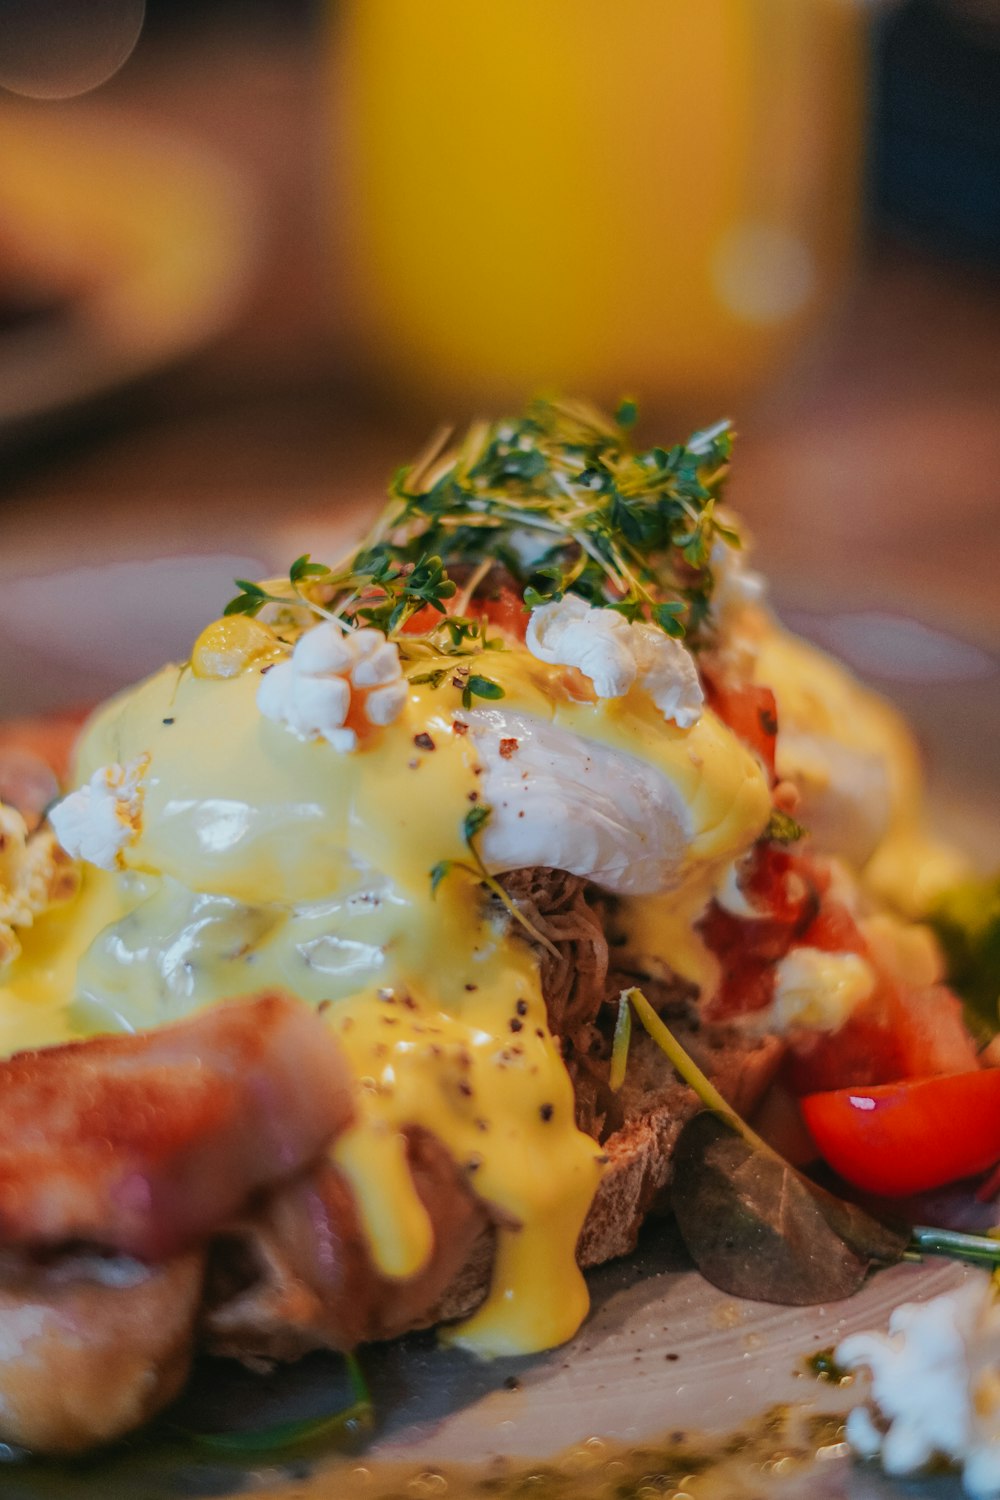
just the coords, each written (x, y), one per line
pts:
(243, 604)
(628, 413)
(304, 567)
(476, 819)
(553, 574)
(480, 687)
(757, 1228)
(668, 617)
(782, 828)
(250, 600)
(285, 1437)
(967, 922)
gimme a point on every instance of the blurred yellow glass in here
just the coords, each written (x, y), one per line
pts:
(658, 196)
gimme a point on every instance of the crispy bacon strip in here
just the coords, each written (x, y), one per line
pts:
(146, 1144)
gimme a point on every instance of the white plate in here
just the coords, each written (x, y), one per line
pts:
(665, 1372)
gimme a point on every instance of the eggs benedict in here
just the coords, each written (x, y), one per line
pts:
(453, 794)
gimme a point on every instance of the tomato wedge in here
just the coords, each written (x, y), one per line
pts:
(502, 607)
(900, 1138)
(751, 713)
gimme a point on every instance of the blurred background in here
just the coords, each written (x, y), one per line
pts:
(251, 252)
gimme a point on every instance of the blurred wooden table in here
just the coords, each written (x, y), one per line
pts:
(875, 470)
(872, 476)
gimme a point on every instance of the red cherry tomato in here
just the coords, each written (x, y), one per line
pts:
(424, 620)
(503, 608)
(895, 1139)
(898, 1033)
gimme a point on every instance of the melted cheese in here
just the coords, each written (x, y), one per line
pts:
(266, 860)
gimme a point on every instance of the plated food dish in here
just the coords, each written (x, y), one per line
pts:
(531, 770)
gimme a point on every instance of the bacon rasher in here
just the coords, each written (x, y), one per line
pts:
(146, 1144)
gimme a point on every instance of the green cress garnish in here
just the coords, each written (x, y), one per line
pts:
(782, 828)
(473, 824)
(561, 499)
(967, 922)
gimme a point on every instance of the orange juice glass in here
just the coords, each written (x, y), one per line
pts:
(658, 196)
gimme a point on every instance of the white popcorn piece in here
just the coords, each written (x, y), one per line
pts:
(570, 632)
(935, 1387)
(669, 675)
(99, 821)
(311, 693)
(736, 585)
(13, 842)
(615, 654)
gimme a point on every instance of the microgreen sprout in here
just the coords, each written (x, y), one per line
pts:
(621, 1043)
(473, 824)
(480, 687)
(560, 498)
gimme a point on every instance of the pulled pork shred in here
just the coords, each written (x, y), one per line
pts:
(582, 988)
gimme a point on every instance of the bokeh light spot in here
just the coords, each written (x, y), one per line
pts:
(57, 49)
(762, 272)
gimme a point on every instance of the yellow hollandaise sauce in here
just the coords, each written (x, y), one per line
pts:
(262, 860)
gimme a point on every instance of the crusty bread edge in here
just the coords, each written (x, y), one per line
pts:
(639, 1163)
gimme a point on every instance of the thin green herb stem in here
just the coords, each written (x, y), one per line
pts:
(638, 589)
(507, 901)
(620, 1045)
(464, 599)
(431, 452)
(979, 1249)
(685, 1065)
(284, 1436)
